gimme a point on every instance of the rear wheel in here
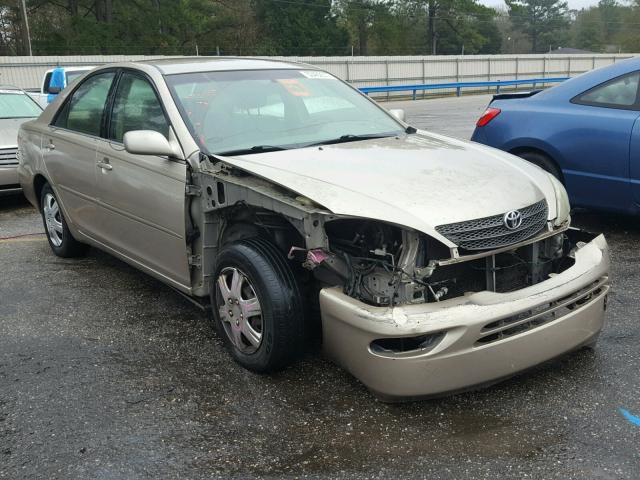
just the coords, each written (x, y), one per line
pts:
(257, 305)
(60, 239)
(541, 160)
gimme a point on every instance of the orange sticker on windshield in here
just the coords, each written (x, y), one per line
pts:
(294, 87)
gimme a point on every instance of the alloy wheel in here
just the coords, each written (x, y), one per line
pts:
(239, 309)
(53, 219)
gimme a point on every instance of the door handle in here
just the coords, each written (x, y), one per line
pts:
(104, 164)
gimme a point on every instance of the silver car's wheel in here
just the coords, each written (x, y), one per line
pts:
(60, 238)
(256, 304)
(53, 219)
(239, 309)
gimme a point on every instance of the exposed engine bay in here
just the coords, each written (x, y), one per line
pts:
(379, 263)
(384, 265)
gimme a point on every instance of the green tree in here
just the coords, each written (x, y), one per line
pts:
(456, 25)
(544, 21)
(303, 27)
(588, 32)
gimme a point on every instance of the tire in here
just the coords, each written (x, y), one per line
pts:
(55, 226)
(542, 161)
(268, 335)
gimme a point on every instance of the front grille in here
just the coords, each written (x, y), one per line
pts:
(491, 232)
(540, 315)
(8, 157)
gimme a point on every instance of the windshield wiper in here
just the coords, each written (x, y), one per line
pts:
(254, 149)
(350, 138)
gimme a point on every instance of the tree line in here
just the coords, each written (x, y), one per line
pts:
(313, 27)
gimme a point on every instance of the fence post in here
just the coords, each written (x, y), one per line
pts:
(593, 62)
(424, 75)
(488, 71)
(569, 67)
(386, 68)
(544, 66)
(348, 73)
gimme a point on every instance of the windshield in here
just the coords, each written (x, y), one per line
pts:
(270, 109)
(17, 105)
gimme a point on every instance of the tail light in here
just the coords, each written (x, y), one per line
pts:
(488, 115)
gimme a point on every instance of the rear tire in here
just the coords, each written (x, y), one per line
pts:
(257, 305)
(60, 239)
(542, 161)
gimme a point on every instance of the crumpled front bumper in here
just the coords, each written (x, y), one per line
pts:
(487, 336)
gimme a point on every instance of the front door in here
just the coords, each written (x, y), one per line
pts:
(69, 150)
(141, 197)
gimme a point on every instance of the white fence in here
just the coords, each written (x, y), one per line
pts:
(27, 72)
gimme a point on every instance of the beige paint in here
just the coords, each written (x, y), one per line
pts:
(349, 327)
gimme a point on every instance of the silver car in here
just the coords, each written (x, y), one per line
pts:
(297, 209)
(16, 107)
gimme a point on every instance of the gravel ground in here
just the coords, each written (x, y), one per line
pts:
(106, 373)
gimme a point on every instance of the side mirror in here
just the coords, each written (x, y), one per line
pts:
(398, 113)
(54, 90)
(148, 142)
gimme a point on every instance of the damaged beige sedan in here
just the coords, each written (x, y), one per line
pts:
(297, 210)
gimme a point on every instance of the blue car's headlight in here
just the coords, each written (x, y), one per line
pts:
(563, 209)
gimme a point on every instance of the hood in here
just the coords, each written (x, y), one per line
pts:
(419, 181)
(9, 131)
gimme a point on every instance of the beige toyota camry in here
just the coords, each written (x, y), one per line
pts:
(298, 210)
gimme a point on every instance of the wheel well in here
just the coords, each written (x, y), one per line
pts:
(38, 184)
(249, 222)
(521, 150)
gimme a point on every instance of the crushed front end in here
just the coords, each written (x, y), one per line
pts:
(412, 318)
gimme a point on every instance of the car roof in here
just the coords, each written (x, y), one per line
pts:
(12, 90)
(590, 79)
(170, 66)
(73, 69)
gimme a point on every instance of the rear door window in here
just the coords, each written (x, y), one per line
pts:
(84, 110)
(136, 107)
(621, 92)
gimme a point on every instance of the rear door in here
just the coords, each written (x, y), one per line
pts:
(69, 149)
(600, 143)
(141, 197)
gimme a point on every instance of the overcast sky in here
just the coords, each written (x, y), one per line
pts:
(574, 4)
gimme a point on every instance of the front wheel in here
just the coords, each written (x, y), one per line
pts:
(60, 239)
(257, 305)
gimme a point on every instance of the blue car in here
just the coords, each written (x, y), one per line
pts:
(585, 131)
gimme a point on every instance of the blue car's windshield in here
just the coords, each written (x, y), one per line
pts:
(272, 109)
(16, 104)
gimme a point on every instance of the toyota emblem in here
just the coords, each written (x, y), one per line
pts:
(512, 220)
